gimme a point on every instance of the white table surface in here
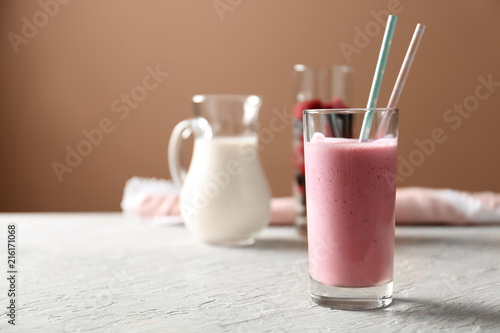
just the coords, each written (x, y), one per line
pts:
(107, 272)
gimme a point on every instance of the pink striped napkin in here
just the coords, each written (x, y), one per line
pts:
(157, 200)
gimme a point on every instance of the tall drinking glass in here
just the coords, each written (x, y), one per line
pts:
(351, 190)
(322, 87)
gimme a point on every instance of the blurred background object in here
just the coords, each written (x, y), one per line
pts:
(91, 90)
(326, 87)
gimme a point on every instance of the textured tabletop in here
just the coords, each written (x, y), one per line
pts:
(107, 272)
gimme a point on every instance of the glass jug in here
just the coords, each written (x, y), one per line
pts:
(224, 198)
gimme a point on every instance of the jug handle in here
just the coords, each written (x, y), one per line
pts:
(177, 171)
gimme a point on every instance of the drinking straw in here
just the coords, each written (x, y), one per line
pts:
(377, 78)
(400, 81)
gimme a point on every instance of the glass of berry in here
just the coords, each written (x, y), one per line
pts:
(320, 87)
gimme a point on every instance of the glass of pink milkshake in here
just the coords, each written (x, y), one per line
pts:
(351, 189)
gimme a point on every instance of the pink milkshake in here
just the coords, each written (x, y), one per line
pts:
(350, 208)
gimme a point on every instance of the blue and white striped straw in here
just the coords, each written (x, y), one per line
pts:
(377, 79)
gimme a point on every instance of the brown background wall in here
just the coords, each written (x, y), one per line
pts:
(65, 76)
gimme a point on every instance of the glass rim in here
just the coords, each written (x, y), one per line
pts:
(304, 67)
(200, 98)
(347, 110)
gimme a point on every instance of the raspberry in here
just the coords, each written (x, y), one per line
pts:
(336, 103)
(306, 105)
